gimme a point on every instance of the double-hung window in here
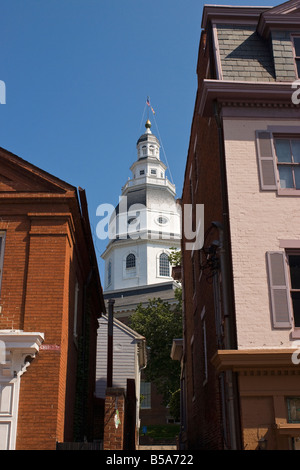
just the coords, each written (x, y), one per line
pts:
(294, 269)
(296, 42)
(284, 282)
(288, 162)
(145, 395)
(278, 151)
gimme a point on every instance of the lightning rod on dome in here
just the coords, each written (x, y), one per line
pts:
(148, 106)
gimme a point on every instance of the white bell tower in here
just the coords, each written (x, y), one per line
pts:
(147, 221)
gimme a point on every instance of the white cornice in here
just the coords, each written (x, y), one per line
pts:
(243, 94)
(21, 340)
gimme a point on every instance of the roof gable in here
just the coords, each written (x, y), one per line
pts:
(282, 17)
(18, 175)
(287, 8)
(124, 328)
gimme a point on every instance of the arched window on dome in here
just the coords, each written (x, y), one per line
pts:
(164, 265)
(109, 273)
(130, 261)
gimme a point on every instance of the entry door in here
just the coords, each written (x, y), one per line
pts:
(9, 398)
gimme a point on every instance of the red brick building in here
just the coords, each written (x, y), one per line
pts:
(240, 383)
(50, 300)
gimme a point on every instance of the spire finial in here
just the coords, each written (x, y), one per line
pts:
(148, 124)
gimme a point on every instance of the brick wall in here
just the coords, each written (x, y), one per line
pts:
(114, 437)
(46, 252)
(202, 178)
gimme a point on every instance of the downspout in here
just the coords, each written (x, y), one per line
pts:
(230, 339)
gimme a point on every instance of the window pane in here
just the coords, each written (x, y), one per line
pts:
(285, 176)
(298, 66)
(296, 150)
(109, 273)
(297, 46)
(164, 265)
(297, 177)
(294, 263)
(283, 150)
(296, 308)
(130, 261)
(293, 410)
(145, 395)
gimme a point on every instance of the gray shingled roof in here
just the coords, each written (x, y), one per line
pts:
(244, 54)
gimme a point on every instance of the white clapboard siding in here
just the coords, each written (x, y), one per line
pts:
(124, 356)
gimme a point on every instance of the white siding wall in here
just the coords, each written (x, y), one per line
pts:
(124, 352)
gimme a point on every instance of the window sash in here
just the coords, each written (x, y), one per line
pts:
(288, 165)
(294, 289)
(164, 265)
(293, 405)
(145, 391)
(296, 44)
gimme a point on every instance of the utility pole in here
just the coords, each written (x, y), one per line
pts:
(110, 342)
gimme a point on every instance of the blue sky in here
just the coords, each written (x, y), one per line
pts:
(77, 75)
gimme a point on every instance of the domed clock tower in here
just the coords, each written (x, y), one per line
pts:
(147, 224)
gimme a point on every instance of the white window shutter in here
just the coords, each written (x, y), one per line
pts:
(266, 161)
(279, 290)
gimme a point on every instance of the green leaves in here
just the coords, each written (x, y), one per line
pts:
(160, 323)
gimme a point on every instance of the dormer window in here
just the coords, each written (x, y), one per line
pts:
(296, 42)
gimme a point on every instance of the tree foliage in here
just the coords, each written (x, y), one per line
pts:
(160, 323)
(175, 257)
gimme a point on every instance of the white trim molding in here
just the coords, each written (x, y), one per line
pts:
(20, 348)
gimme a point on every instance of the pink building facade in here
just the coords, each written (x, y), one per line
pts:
(242, 290)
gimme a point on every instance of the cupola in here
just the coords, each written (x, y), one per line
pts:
(148, 145)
